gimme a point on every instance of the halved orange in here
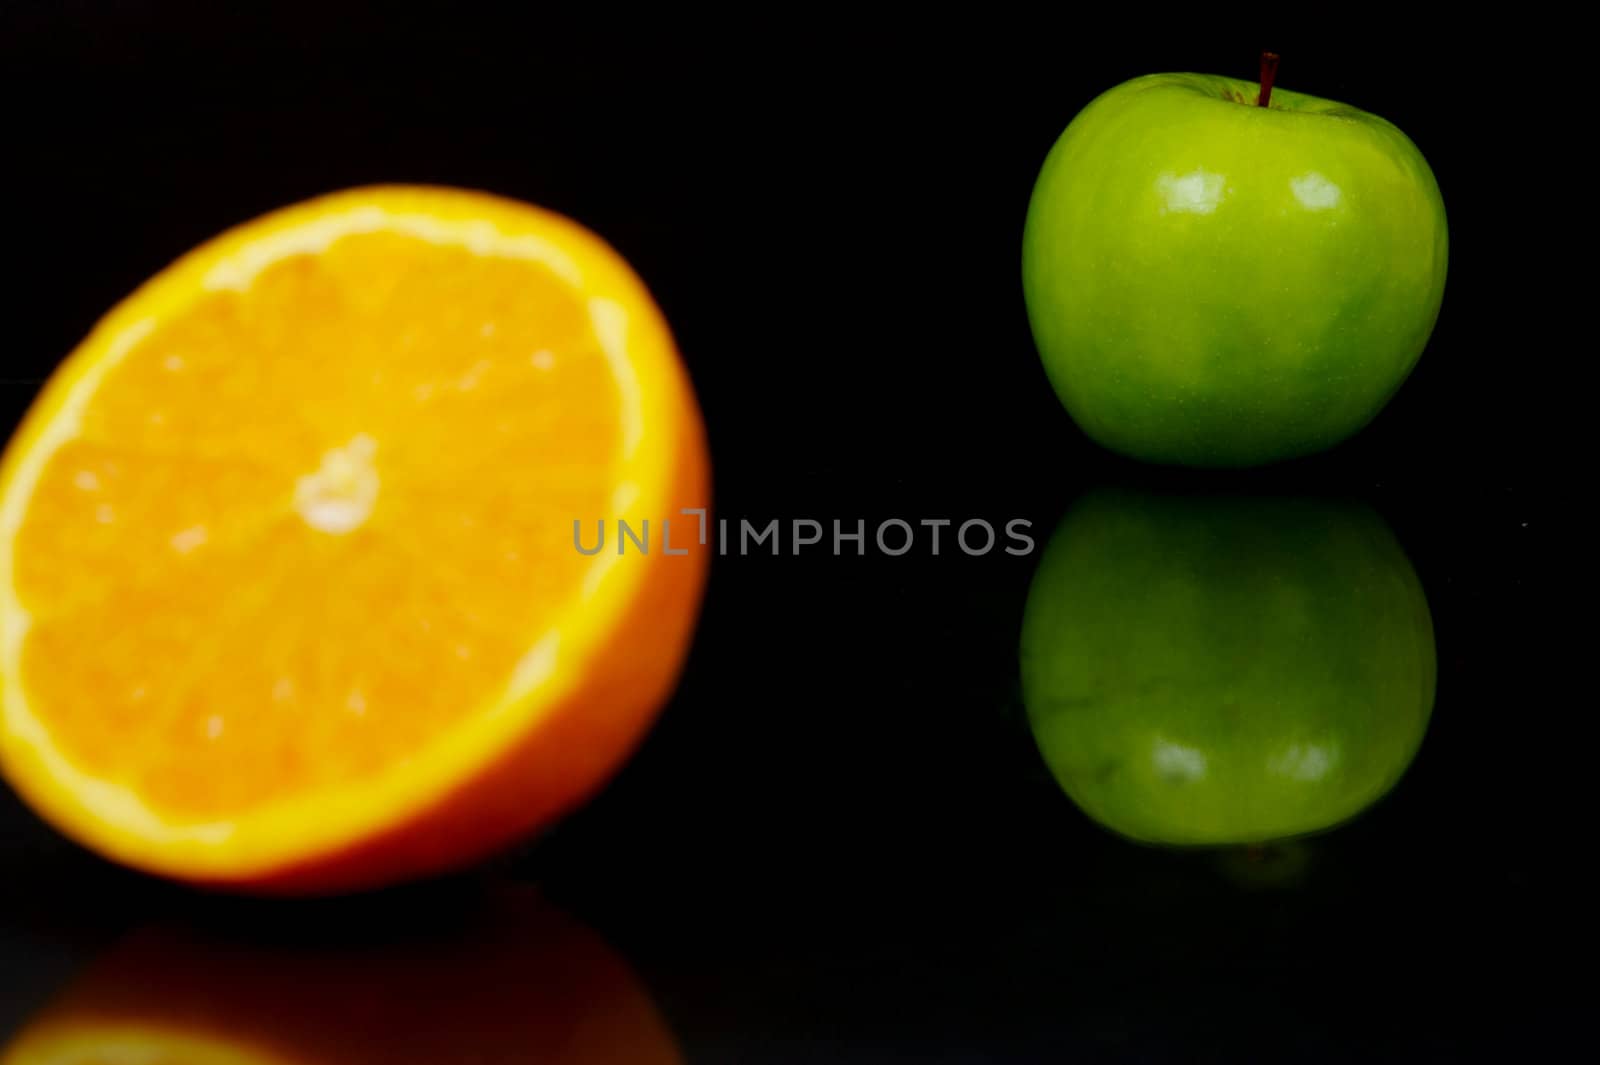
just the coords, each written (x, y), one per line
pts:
(291, 594)
(515, 981)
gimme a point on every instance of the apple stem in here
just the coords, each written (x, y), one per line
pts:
(1269, 70)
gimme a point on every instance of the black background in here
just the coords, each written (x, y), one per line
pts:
(840, 843)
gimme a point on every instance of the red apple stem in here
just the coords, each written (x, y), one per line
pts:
(1269, 70)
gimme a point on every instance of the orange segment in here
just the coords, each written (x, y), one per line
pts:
(287, 569)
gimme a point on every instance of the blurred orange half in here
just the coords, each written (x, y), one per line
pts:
(290, 593)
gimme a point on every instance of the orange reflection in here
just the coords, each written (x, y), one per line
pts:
(520, 983)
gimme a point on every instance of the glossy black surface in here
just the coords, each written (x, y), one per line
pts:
(840, 844)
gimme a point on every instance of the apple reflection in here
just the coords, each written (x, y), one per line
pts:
(516, 982)
(1225, 670)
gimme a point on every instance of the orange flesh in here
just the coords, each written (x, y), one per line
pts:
(307, 528)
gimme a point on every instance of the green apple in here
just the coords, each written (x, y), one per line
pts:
(1225, 670)
(1215, 283)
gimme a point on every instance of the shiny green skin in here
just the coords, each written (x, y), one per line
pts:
(1212, 283)
(1225, 670)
